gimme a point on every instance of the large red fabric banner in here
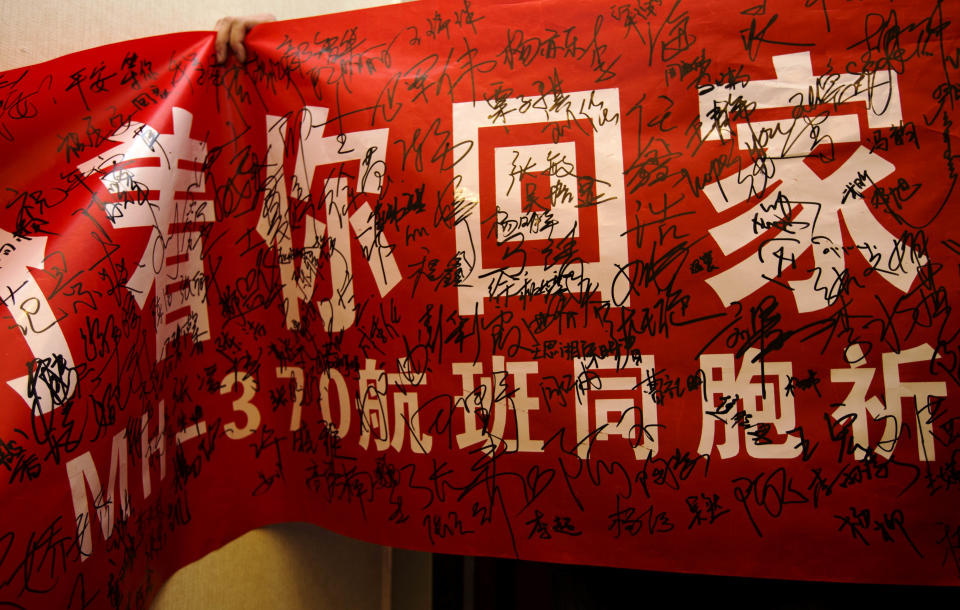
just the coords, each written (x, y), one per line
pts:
(660, 284)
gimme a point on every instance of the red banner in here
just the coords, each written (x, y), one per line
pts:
(661, 285)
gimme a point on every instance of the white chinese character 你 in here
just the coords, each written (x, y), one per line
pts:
(330, 240)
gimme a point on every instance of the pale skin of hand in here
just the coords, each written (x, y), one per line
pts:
(230, 34)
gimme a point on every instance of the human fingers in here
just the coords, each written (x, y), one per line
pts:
(222, 27)
(231, 32)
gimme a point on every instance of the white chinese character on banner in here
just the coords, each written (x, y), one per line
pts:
(160, 183)
(51, 378)
(607, 405)
(751, 399)
(577, 152)
(373, 406)
(489, 401)
(333, 238)
(804, 210)
(857, 409)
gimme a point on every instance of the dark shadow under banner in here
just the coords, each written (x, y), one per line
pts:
(655, 285)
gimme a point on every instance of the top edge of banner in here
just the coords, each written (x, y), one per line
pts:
(80, 55)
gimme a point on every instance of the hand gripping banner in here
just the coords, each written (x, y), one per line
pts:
(661, 285)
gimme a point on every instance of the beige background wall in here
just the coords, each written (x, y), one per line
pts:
(38, 30)
(291, 565)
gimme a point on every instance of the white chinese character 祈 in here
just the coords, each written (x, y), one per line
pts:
(857, 409)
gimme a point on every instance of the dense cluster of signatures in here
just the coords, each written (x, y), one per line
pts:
(487, 289)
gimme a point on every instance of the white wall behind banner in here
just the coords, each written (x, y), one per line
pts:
(284, 566)
(40, 30)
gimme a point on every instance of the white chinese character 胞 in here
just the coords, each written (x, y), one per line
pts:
(803, 211)
(159, 181)
(736, 401)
